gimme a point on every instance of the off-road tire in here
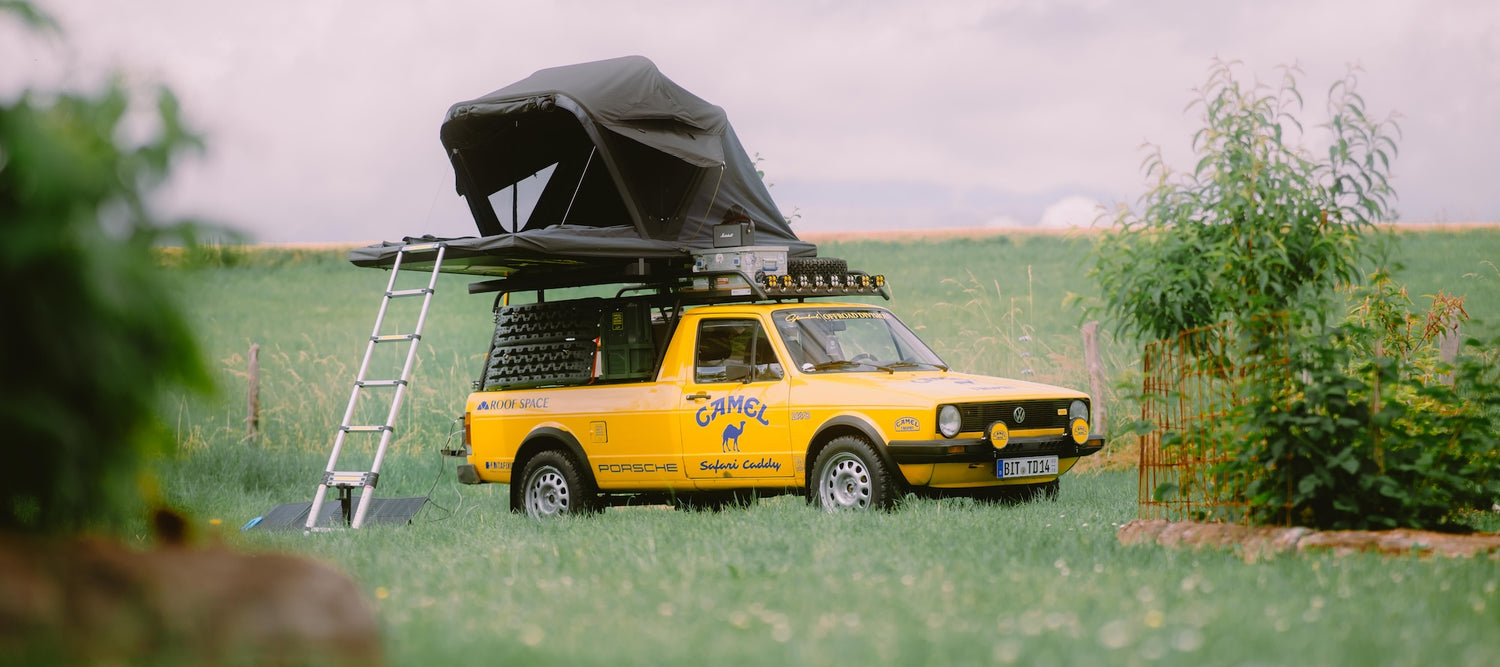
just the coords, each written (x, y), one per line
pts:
(551, 486)
(817, 266)
(850, 476)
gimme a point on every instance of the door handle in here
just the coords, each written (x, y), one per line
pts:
(699, 395)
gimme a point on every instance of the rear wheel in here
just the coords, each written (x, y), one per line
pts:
(850, 476)
(551, 486)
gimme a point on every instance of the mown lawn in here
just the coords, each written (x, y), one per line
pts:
(939, 582)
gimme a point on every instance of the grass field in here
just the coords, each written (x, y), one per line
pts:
(935, 582)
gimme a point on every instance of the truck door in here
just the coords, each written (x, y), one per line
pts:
(735, 404)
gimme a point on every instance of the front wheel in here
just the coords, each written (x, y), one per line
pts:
(849, 476)
(551, 486)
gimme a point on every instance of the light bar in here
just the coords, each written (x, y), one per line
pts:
(823, 285)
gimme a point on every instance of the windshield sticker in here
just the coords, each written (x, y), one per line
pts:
(908, 425)
(839, 315)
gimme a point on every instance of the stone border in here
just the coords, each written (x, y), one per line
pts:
(1263, 541)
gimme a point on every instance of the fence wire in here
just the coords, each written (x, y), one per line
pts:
(1192, 385)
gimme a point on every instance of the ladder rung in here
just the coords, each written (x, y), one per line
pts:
(421, 247)
(379, 383)
(348, 479)
(366, 429)
(391, 338)
(408, 292)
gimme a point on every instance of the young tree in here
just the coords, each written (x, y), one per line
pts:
(1259, 225)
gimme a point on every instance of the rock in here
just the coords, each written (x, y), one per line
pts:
(1261, 541)
(90, 601)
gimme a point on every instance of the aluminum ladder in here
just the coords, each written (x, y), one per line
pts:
(346, 481)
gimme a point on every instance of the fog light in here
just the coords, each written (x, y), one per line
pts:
(1078, 421)
(1080, 431)
(999, 435)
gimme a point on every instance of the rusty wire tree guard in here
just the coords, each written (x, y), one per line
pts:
(1190, 388)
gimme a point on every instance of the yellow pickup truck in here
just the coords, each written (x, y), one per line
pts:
(723, 402)
(708, 377)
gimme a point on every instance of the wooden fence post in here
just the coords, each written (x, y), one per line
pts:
(1448, 349)
(1095, 367)
(252, 394)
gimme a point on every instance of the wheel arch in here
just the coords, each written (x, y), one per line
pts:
(847, 425)
(551, 437)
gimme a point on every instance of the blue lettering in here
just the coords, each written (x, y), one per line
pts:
(763, 464)
(718, 465)
(750, 407)
(514, 404)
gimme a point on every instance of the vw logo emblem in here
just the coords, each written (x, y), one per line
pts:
(1019, 415)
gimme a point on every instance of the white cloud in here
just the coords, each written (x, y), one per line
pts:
(1072, 211)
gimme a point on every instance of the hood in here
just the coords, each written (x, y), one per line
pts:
(939, 387)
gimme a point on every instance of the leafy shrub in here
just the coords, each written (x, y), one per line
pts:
(1347, 441)
(90, 335)
(1336, 425)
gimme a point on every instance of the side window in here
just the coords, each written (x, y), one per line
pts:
(734, 351)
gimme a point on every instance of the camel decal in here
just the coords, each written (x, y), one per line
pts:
(732, 437)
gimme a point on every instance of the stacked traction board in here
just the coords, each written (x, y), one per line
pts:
(541, 344)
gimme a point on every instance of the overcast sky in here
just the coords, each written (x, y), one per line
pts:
(322, 115)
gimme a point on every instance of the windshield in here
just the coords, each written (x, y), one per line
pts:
(852, 340)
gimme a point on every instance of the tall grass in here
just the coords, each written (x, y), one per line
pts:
(941, 582)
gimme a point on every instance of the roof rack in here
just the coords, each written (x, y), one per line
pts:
(704, 286)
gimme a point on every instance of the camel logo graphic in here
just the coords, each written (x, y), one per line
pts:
(732, 437)
(732, 406)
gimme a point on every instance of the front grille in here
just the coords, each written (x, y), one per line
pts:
(1039, 415)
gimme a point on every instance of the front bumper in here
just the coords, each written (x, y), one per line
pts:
(978, 450)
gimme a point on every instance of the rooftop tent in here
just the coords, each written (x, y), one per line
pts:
(620, 144)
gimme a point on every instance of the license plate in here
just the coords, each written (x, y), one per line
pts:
(1032, 466)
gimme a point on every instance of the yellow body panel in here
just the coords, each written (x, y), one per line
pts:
(674, 433)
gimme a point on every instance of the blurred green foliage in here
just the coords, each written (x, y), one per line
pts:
(91, 336)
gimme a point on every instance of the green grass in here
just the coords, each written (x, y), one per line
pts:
(940, 582)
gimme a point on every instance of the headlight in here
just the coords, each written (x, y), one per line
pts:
(1078, 421)
(948, 421)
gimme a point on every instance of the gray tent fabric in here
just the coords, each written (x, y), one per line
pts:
(627, 147)
(507, 254)
(625, 166)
